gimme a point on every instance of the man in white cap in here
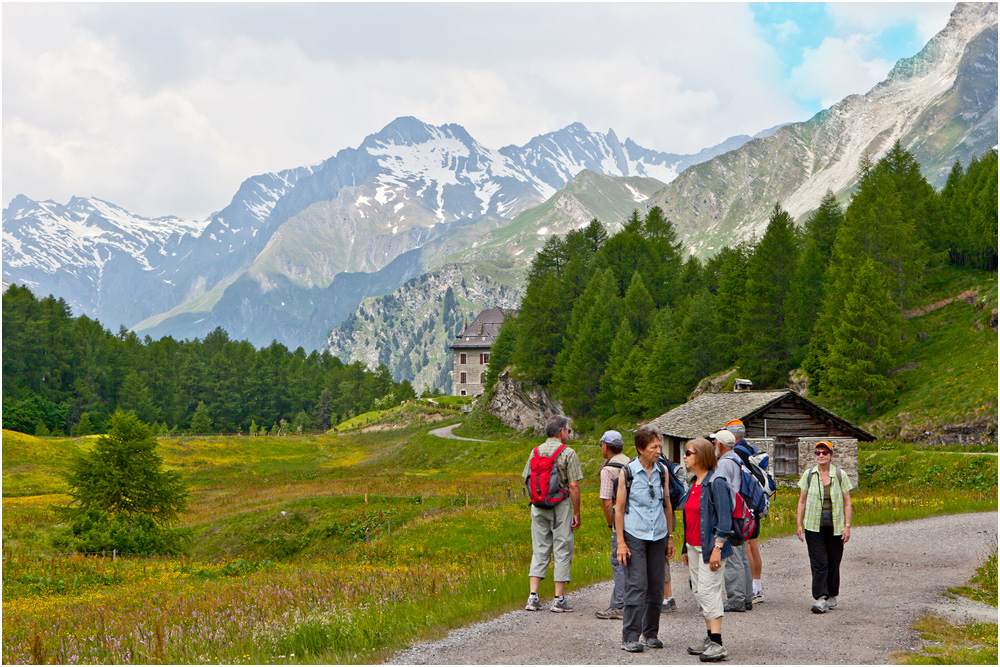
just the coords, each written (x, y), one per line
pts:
(611, 448)
(739, 584)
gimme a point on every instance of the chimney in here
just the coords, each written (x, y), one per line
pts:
(742, 385)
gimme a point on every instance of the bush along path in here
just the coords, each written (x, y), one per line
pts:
(892, 575)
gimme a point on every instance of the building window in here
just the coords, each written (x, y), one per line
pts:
(463, 393)
(461, 358)
(486, 358)
(461, 378)
(482, 378)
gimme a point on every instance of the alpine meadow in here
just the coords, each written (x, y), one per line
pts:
(262, 437)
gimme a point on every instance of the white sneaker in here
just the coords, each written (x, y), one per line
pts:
(821, 606)
(831, 602)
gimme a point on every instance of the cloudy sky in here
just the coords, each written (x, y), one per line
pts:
(165, 108)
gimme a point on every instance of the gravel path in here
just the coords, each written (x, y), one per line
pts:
(445, 432)
(891, 575)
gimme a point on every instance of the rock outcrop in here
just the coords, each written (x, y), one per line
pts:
(522, 405)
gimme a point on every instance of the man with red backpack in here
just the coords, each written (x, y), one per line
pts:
(552, 476)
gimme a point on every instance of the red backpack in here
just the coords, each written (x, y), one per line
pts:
(743, 519)
(543, 485)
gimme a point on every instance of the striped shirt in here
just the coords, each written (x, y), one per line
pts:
(812, 483)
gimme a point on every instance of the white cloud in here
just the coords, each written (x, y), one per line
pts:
(854, 73)
(165, 108)
(872, 18)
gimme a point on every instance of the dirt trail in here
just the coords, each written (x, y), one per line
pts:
(890, 576)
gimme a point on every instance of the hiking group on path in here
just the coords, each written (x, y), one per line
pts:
(722, 491)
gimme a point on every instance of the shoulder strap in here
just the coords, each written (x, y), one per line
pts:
(558, 451)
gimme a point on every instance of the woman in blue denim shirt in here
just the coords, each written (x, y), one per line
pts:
(707, 509)
(644, 521)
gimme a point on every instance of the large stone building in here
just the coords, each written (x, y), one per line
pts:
(471, 352)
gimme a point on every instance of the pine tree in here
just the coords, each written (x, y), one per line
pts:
(637, 307)
(866, 342)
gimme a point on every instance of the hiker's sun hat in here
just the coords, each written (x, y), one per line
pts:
(724, 437)
(612, 438)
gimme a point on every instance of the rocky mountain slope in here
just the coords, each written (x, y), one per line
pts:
(940, 104)
(409, 331)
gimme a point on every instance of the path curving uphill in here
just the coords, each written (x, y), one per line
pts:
(446, 432)
(891, 575)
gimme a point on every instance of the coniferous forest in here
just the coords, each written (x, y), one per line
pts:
(614, 325)
(65, 374)
(625, 325)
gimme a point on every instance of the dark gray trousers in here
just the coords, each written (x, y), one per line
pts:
(644, 575)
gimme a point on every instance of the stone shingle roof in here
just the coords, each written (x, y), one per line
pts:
(486, 325)
(709, 412)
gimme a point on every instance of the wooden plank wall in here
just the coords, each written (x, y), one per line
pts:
(792, 418)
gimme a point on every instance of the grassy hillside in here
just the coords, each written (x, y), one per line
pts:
(948, 382)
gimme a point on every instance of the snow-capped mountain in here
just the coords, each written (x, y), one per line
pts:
(357, 211)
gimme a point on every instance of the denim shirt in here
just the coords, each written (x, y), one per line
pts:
(645, 519)
(716, 519)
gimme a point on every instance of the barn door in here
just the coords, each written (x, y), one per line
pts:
(785, 456)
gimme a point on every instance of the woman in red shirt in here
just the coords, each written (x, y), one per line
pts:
(707, 511)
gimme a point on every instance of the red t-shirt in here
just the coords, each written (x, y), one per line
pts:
(692, 517)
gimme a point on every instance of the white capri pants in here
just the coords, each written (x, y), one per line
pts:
(708, 586)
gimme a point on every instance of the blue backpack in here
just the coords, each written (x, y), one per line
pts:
(753, 490)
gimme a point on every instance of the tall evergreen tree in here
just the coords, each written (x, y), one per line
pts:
(665, 378)
(584, 360)
(765, 355)
(805, 293)
(866, 341)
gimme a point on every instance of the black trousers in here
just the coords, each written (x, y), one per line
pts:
(826, 550)
(644, 575)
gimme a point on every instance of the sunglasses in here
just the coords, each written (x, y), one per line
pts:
(688, 452)
(821, 452)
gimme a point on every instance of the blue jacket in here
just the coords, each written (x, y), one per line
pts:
(716, 518)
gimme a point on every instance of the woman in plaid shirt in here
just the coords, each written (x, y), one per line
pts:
(823, 522)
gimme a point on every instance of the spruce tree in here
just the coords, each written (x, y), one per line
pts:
(324, 408)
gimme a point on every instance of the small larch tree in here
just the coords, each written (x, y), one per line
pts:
(123, 476)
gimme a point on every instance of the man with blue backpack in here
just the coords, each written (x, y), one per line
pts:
(757, 464)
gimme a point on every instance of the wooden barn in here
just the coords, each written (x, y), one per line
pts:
(781, 422)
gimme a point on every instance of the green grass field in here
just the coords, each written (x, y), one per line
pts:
(343, 547)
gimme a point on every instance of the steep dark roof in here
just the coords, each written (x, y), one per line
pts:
(709, 412)
(484, 329)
